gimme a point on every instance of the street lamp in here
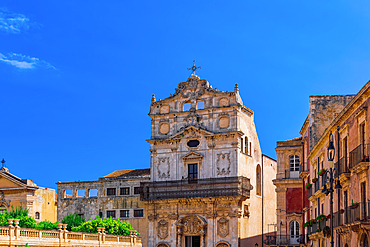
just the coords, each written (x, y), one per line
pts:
(330, 179)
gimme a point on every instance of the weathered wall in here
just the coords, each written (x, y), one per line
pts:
(44, 203)
(322, 110)
(92, 206)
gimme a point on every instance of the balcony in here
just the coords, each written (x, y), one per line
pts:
(210, 187)
(359, 158)
(285, 239)
(342, 165)
(288, 174)
(317, 185)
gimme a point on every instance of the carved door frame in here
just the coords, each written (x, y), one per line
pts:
(191, 225)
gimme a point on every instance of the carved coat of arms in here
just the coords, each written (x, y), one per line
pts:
(162, 229)
(223, 164)
(223, 227)
(164, 167)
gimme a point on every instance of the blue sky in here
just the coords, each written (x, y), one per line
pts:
(77, 77)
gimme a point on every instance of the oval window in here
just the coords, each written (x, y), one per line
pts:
(193, 143)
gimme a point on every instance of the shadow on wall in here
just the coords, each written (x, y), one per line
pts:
(251, 241)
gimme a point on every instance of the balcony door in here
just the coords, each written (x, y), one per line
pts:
(192, 241)
(294, 166)
(294, 232)
(193, 172)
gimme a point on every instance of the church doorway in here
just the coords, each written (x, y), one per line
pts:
(192, 241)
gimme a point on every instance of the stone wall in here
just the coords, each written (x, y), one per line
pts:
(99, 205)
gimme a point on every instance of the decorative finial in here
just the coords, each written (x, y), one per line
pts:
(153, 98)
(3, 163)
(194, 68)
(236, 88)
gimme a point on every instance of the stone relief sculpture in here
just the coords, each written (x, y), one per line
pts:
(164, 167)
(223, 164)
(223, 227)
(162, 229)
(191, 225)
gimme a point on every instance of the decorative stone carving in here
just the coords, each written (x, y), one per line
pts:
(164, 109)
(223, 122)
(164, 128)
(223, 227)
(222, 245)
(223, 102)
(162, 229)
(164, 167)
(193, 225)
(162, 245)
(223, 164)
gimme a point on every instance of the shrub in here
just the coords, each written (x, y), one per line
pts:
(73, 220)
(46, 225)
(112, 226)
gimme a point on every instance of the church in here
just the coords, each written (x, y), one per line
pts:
(210, 184)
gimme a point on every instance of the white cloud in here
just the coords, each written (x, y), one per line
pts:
(24, 62)
(13, 22)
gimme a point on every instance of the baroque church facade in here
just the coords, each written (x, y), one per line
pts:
(210, 184)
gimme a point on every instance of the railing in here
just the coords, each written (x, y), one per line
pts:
(288, 174)
(358, 155)
(317, 185)
(211, 187)
(342, 165)
(310, 192)
(17, 236)
(285, 239)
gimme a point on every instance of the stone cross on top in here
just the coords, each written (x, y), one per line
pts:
(194, 68)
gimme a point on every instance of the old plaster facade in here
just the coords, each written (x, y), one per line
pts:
(115, 195)
(209, 178)
(350, 128)
(289, 195)
(14, 191)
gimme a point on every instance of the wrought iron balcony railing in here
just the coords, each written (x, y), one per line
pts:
(342, 165)
(358, 155)
(285, 239)
(209, 187)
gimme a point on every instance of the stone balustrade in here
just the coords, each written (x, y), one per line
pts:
(13, 235)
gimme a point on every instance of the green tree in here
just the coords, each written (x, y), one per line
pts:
(112, 226)
(73, 220)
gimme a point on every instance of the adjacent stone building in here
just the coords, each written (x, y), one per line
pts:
(210, 184)
(115, 195)
(289, 195)
(348, 123)
(14, 192)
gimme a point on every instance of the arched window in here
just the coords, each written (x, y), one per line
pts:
(294, 232)
(223, 244)
(241, 144)
(246, 145)
(162, 245)
(37, 215)
(258, 180)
